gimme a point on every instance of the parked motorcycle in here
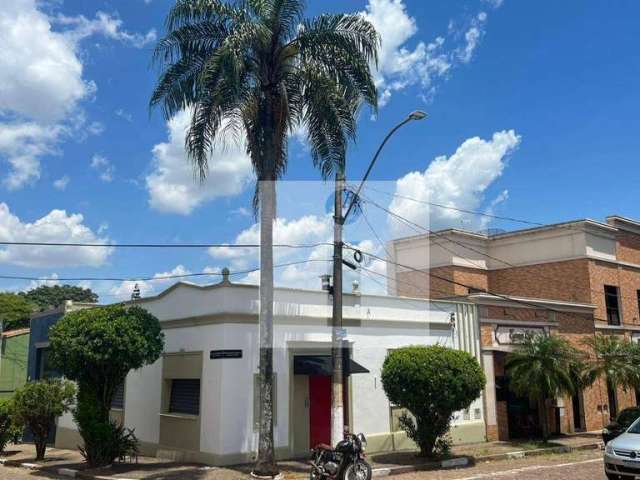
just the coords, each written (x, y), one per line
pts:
(344, 462)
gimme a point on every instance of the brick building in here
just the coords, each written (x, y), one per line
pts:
(576, 279)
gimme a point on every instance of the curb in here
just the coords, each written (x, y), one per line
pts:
(376, 472)
(466, 460)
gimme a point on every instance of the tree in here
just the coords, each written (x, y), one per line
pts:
(258, 68)
(614, 359)
(432, 383)
(9, 429)
(45, 296)
(15, 311)
(97, 347)
(38, 404)
(544, 367)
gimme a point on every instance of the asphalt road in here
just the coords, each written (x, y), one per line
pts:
(578, 466)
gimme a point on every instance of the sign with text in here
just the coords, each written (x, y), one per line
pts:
(516, 335)
(218, 354)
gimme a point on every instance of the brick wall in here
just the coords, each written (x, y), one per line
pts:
(628, 247)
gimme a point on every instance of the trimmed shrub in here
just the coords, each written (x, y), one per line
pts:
(432, 383)
(37, 405)
(97, 347)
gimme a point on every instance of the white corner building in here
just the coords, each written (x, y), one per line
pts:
(199, 401)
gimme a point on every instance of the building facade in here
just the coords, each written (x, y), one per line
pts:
(199, 401)
(576, 279)
(13, 360)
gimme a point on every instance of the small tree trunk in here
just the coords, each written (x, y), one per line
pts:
(544, 419)
(266, 464)
(41, 447)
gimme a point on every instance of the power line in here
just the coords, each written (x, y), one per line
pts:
(420, 229)
(153, 278)
(160, 245)
(462, 210)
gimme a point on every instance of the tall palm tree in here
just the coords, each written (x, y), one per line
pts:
(259, 68)
(542, 368)
(616, 360)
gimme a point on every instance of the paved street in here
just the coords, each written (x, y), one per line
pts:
(579, 466)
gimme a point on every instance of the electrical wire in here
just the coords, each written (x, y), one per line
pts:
(154, 278)
(160, 245)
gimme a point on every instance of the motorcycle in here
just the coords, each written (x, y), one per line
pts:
(344, 462)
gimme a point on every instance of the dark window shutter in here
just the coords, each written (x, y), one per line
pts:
(185, 396)
(118, 398)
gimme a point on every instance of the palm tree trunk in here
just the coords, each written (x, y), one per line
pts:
(544, 418)
(266, 463)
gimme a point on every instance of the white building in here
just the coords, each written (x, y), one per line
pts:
(199, 401)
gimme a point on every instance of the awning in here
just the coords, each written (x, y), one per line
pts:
(322, 365)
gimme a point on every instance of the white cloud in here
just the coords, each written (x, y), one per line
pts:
(56, 226)
(401, 65)
(61, 183)
(309, 229)
(40, 72)
(21, 143)
(104, 24)
(42, 84)
(49, 281)
(472, 38)
(104, 167)
(172, 186)
(494, 3)
(458, 181)
(123, 290)
(122, 113)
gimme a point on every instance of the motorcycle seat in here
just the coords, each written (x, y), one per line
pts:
(324, 446)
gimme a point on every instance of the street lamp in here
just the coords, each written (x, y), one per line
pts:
(337, 332)
(413, 116)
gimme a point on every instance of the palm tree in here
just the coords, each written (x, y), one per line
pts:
(544, 367)
(259, 68)
(616, 360)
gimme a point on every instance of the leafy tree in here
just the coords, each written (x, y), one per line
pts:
(544, 367)
(9, 429)
(259, 68)
(432, 383)
(97, 347)
(15, 311)
(45, 296)
(38, 404)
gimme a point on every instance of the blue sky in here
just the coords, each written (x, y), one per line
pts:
(532, 114)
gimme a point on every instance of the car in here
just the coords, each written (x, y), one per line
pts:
(623, 421)
(622, 454)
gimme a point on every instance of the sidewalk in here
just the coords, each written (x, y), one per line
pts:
(70, 463)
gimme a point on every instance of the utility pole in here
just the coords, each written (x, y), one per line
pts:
(338, 421)
(337, 332)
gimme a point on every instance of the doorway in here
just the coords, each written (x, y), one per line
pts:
(576, 402)
(319, 410)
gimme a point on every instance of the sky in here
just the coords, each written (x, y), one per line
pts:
(532, 114)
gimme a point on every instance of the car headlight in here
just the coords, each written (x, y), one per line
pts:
(608, 448)
(606, 431)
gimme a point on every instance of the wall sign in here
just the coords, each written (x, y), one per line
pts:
(217, 354)
(516, 335)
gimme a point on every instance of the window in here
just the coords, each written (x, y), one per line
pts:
(185, 396)
(396, 413)
(118, 398)
(44, 369)
(256, 400)
(612, 304)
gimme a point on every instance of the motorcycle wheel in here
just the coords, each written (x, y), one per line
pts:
(360, 470)
(315, 475)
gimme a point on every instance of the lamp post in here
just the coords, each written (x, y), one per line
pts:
(338, 423)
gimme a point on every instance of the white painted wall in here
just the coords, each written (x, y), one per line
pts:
(227, 384)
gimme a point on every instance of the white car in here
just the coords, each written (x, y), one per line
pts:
(622, 454)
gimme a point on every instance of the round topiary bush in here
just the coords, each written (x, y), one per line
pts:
(432, 383)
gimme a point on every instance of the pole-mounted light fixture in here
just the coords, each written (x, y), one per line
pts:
(326, 283)
(417, 115)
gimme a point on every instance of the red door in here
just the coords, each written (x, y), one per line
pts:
(319, 410)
